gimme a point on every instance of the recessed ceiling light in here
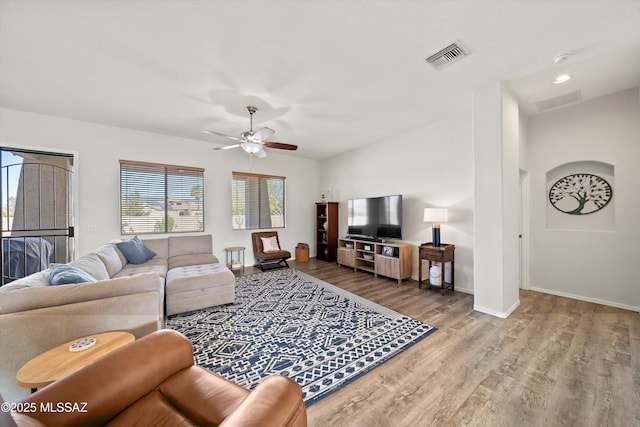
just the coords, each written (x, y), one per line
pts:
(562, 78)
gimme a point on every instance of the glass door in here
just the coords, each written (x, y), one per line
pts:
(37, 211)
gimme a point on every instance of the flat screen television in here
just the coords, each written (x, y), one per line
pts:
(375, 218)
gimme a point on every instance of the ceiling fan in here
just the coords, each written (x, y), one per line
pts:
(254, 142)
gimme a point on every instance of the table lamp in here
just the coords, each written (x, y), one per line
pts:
(436, 216)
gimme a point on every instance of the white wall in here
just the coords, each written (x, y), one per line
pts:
(430, 167)
(599, 266)
(99, 148)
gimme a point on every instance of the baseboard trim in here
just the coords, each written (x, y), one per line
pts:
(586, 299)
(502, 315)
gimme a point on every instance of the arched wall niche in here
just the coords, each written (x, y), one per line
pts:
(581, 196)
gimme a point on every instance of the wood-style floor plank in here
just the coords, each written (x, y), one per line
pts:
(555, 361)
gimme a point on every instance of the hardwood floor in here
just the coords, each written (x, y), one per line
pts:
(555, 361)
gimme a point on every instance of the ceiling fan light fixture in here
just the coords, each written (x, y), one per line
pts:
(251, 147)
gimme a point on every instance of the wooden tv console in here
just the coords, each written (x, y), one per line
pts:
(390, 259)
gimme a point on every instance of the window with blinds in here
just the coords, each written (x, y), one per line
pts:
(158, 198)
(257, 201)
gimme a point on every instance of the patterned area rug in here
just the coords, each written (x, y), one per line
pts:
(289, 323)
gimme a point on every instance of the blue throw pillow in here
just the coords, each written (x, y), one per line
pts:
(65, 274)
(135, 251)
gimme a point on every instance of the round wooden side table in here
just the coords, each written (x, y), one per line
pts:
(53, 364)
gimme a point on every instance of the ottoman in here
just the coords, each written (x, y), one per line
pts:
(198, 286)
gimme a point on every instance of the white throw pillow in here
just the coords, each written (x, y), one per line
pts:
(270, 244)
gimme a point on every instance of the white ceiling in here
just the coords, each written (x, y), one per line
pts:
(329, 76)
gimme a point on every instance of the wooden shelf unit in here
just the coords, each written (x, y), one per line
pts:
(369, 256)
(326, 235)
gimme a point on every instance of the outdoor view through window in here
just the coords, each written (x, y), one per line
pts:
(257, 201)
(157, 198)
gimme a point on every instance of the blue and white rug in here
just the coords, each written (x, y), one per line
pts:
(289, 323)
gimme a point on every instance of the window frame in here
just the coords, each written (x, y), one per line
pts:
(168, 173)
(254, 215)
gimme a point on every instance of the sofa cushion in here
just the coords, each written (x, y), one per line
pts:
(135, 251)
(65, 274)
(187, 245)
(110, 258)
(160, 246)
(156, 265)
(194, 259)
(93, 265)
(184, 279)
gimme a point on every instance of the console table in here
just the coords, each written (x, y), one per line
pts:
(390, 259)
(442, 254)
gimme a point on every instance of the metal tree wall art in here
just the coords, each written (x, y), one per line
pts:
(580, 194)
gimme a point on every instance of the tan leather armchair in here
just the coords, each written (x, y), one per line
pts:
(265, 258)
(153, 381)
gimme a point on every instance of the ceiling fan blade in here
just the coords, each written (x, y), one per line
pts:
(223, 134)
(261, 154)
(279, 145)
(262, 135)
(226, 147)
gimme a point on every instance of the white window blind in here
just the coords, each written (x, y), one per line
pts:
(159, 198)
(257, 201)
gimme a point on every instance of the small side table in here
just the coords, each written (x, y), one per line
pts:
(239, 264)
(51, 365)
(442, 254)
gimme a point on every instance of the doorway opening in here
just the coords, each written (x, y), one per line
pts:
(37, 211)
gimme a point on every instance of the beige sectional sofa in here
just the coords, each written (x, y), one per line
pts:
(35, 316)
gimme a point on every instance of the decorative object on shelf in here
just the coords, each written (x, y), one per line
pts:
(389, 251)
(82, 344)
(325, 225)
(325, 196)
(435, 275)
(580, 194)
(367, 256)
(436, 216)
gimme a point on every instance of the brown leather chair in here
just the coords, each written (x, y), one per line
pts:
(264, 258)
(153, 381)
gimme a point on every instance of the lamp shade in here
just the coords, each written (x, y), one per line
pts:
(436, 215)
(251, 147)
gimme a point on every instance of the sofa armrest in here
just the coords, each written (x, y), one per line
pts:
(277, 401)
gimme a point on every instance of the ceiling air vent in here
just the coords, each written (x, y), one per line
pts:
(450, 54)
(559, 101)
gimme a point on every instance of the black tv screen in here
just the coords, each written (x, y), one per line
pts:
(375, 217)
